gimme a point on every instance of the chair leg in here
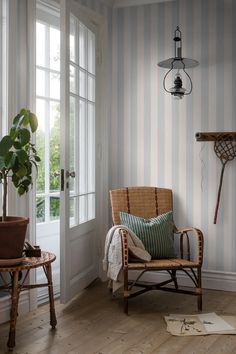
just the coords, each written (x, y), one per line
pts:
(173, 275)
(199, 289)
(126, 305)
(126, 291)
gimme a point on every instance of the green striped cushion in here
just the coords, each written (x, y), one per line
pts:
(155, 233)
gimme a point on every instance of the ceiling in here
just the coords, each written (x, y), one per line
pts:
(124, 3)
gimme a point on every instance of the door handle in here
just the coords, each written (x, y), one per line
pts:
(62, 179)
(70, 174)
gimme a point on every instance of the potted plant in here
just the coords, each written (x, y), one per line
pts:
(18, 156)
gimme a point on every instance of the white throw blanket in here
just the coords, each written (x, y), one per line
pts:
(112, 262)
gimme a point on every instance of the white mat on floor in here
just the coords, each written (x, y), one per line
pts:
(200, 324)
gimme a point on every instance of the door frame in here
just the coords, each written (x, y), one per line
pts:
(102, 131)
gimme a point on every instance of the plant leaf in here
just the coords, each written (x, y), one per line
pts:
(21, 189)
(22, 171)
(37, 158)
(18, 120)
(15, 180)
(22, 156)
(13, 133)
(17, 145)
(2, 163)
(5, 145)
(26, 182)
(26, 119)
(10, 159)
(23, 111)
(28, 165)
(24, 136)
(33, 121)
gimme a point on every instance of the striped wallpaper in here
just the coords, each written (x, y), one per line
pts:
(152, 136)
(95, 5)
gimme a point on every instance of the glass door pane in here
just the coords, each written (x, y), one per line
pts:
(82, 123)
(48, 137)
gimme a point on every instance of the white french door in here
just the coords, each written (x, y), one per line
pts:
(47, 55)
(77, 152)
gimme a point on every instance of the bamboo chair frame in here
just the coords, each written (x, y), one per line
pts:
(148, 202)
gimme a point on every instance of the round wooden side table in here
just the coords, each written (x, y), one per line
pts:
(16, 286)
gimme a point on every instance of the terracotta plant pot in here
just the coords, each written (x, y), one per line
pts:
(12, 236)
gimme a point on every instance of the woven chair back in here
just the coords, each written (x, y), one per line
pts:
(145, 202)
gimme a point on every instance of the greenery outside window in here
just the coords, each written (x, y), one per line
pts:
(48, 112)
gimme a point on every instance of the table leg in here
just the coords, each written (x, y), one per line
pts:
(53, 320)
(14, 310)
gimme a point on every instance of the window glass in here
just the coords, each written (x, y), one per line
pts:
(91, 52)
(40, 82)
(54, 148)
(54, 85)
(83, 83)
(40, 139)
(82, 45)
(82, 122)
(54, 48)
(48, 113)
(91, 88)
(40, 44)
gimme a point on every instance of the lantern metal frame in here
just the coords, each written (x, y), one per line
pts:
(179, 63)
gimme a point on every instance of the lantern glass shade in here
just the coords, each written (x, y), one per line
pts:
(177, 90)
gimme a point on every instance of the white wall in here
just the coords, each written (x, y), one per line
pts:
(152, 136)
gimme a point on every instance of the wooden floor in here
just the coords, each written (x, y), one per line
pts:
(95, 323)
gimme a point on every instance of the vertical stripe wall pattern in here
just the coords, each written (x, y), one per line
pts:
(152, 136)
(95, 5)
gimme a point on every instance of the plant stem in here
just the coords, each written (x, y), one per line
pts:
(4, 205)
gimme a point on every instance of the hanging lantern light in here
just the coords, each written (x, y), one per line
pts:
(180, 64)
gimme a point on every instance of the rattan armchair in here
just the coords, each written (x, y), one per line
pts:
(148, 202)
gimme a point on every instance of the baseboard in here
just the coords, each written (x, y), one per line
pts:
(5, 306)
(23, 307)
(42, 295)
(216, 280)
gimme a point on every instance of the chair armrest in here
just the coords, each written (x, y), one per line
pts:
(198, 235)
(125, 250)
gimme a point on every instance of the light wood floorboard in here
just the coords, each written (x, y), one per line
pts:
(94, 323)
